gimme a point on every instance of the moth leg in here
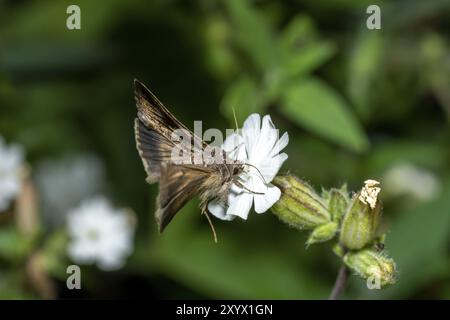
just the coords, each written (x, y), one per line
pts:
(204, 212)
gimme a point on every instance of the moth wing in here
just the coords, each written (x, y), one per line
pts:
(153, 132)
(178, 185)
(153, 148)
(152, 112)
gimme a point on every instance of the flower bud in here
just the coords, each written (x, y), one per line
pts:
(338, 203)
(378, 269)
(362, 217)
(299, 206)
(322, 233)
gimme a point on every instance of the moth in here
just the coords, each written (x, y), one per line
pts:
(154, 130)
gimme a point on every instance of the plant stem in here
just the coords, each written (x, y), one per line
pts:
(339, 285)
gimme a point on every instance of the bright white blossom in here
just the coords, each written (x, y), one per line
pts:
(258, 146)
(408, 179)
(11, 158)
(100, 234)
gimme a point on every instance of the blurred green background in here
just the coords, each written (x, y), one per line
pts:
(356, 103)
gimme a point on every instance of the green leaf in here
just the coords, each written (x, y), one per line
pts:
(299, 30)
(363, 69)
(301, 50)
(314, 105)
(307, 59)
(253, 33)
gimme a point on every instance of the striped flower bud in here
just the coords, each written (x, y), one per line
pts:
(372, 265)
(361, 220)
(299, 206)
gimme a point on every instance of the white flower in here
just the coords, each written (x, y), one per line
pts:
(410, 180)
(258, 147)
(100, 234)
(11, 158)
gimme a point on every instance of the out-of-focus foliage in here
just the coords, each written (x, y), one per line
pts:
(355, 102)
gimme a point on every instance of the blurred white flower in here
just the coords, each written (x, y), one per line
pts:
(410, 180)
(11, 162)
(100, 234)
(64, 183)
(258, 146)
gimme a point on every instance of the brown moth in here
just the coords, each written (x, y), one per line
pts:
(178, 183)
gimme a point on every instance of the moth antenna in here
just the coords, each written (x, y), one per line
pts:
(260, 174)
(247, 189)
(210, 224)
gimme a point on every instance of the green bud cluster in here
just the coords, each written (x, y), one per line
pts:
(352, 220)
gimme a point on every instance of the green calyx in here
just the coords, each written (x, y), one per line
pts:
(360, 224)
(299, 206)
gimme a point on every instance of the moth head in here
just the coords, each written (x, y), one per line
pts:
(237, 169)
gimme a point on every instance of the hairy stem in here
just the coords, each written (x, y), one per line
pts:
(339, 285)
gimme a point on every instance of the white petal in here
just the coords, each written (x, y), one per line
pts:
(231, 142)
(241, 205)
(269, 134)
(266, 201)
(252, 122)
(81, 252)
(255, 183)
(281, 144)
(219, 210)
(266, 140)
(250, 131)
(234, 191)
(235, 147)
(270, 168)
